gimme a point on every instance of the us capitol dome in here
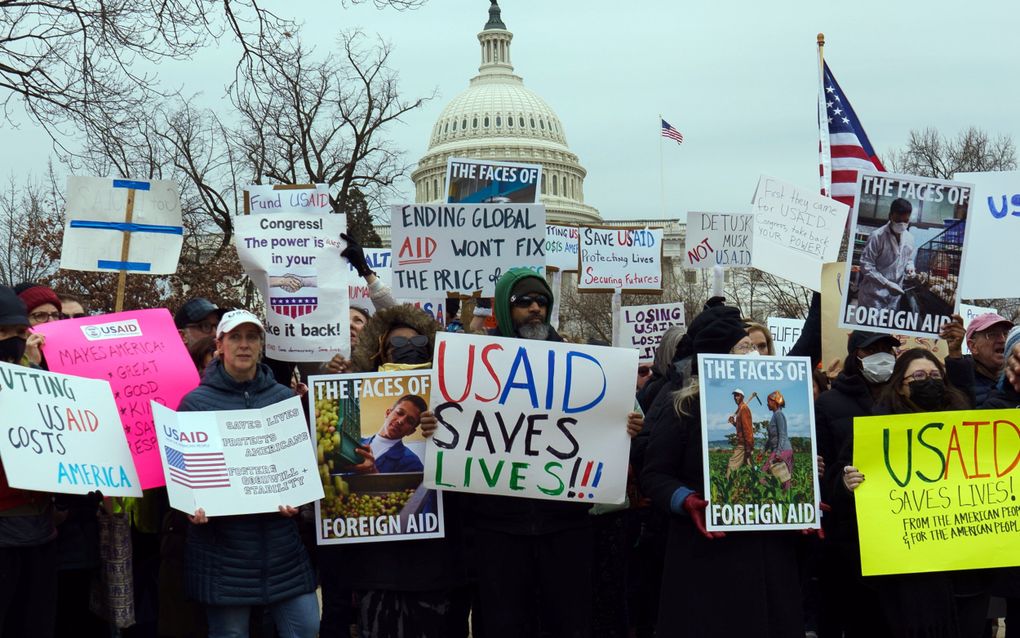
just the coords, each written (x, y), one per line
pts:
(498, 118)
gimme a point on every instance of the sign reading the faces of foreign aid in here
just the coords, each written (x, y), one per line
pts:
(472, 181)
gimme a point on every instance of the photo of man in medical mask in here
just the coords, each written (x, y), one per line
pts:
(888, 260)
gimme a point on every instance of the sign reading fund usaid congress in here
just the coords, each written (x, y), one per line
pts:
(530, 418)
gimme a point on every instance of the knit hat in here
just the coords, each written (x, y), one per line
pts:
(720, 329)
(517, 281)
(12, 309)
(38, 295)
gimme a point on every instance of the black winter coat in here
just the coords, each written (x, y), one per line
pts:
(1006, 581)
(255, 559)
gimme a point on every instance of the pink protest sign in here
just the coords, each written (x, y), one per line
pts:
(142, 356)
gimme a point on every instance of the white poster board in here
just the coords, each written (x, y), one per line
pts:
(288, 198)
(97, 212)
(719, 239)
(642, 327)
(968, 312)
(63, 434)
(561, 248)
(796, 230)
(785, 332)
(620, 258)
(474, 181)
(563, 409)
(463, 249)
(379, 260)
(237, 461)
(294, 259)
(992, 230)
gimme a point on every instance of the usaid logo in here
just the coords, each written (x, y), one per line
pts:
(115, 330)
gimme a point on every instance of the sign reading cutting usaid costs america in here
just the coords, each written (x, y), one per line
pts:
(371, 455)
(63, 434)
(294, 259)
(719, 239)
(561, 247)
(905, 253)
(237, 461)
(463, 248)
(940, 493)
(629, 259)
(758, 443)
(140, 354)
(471, 181)
(287, 198)
(642, 327)
(992, 229)
(530, 418)
(99, 213)
(795, 231)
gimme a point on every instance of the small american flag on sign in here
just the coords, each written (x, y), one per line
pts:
(671, 133)
(197, 470)
(293, 307)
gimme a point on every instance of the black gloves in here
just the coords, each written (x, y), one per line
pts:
(355, 254)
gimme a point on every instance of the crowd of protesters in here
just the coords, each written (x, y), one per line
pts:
(510, 566)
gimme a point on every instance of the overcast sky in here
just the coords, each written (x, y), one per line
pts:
(739, 79)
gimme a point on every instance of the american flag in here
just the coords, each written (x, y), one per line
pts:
(848, 144)
(670, 132)
(197, 470)
(293, 307)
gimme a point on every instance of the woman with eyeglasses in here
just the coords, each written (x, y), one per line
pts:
(950, 604)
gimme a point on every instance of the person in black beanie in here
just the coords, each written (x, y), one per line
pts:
(749, 580)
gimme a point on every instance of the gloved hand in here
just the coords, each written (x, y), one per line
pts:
(695, 506)
(355, 254)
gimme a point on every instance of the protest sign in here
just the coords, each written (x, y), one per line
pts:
(378, 260)
(561, 248)
(795, 231)
(968, 312)
(992, 229)
(834, 338)
(63, 434)
(906, 248)
(446, 249)
(537, 419)
(233, 462)
(287, 198)
(370, 453)
(642, 327)
(785, 333)
(103, 214)
(940, 491)
(719, 239)
(141, 355)
(613, 257)
(472, 181)
(294, 259)
(758, 443)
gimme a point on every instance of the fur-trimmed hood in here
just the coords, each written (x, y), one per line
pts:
(368, 354)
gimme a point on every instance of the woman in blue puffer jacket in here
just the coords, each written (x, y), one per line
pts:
(236, 562)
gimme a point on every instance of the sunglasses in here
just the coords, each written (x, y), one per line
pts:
(526, 301)
(420, 341)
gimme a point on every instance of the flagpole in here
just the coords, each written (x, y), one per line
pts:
(824, 152)
(662, 178)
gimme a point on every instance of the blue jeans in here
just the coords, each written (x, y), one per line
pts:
(296, 617)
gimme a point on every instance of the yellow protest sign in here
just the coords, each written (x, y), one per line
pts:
(940, 491)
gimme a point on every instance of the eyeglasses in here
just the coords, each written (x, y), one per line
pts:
(526, 301)
(743, 348)
(924, 375)
(43, 317)
(206, 327)
(417, 340)
(993, 335)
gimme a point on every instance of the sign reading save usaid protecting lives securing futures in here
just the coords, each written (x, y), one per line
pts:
(628, 259)
(758, 443)
(531, 418)
(62, 434)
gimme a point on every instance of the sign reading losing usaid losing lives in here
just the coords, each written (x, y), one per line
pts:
(142, 357)
(642, 327)
(530, 418)
(561, 247)
(629, 259)
(463, 249)
(719, 239)
(62, 434)
(940, 491)
(471, 181)
(237, 461)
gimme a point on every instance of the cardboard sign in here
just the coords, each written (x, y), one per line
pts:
(142, 357)
(536, 419)
(370, 455)
(642, 327)
(287, 198)
(758, 443)
(904, 281)
(463, 249)
(629, 259)
(99, 211)
(940, 491)
(795, 231)
(471, 181)
(785, 333)
(62, 434)
(561, 244)
(992, 229)
(237, 461)
(719, 239)
(294, 259)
